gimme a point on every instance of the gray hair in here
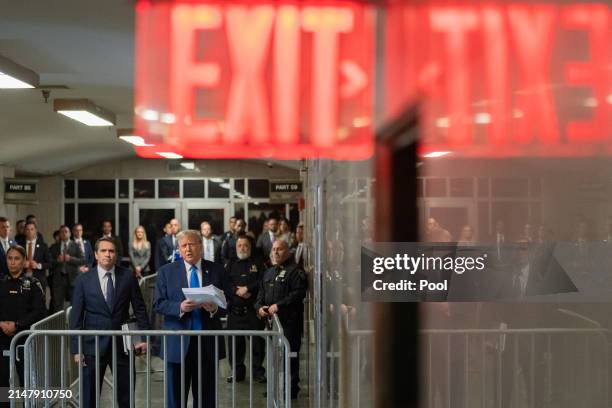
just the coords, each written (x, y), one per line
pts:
(189, 233)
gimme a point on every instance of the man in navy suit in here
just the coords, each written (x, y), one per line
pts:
(182, 314)
(165, 246)
(101, 301)
(85, 245)
(38, 259)
(5, 243)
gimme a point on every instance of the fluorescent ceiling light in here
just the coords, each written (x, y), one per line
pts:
(188, 165)
(169, 155)
(216, 180)
(15, 76)
(127, 135)
(84, 111)
(436, 154)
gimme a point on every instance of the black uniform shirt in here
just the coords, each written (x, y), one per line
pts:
(244, 272)
(21, 301)
(285, 286)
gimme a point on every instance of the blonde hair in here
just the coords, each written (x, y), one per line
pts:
(140, 244)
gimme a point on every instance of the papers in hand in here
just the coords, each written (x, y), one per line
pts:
(208, 293)
(130, 341)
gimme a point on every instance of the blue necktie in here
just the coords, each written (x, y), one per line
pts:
(196, 315)
(110, 290)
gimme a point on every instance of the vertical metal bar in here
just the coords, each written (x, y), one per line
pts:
(200, 379)
(166, 363)
(448, 371)
(46, 368)
(589, 371)
(250, 371)
(430, 387)
(131, 365)
(532, 373)
(466, 371)
(148, 375)
(548, 368)
(499, 386)
(483, 367)
(515, 378)
(270, 373)
(287, 355)
(97, 375)
(216, 370)
(62, 371)
(81, 359)
(114, 339)
(182, 374)
(332, 374)
(234, 371)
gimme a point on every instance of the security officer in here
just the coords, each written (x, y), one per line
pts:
(21, 304)
(281, 292)
(245, 274)
(228, 249)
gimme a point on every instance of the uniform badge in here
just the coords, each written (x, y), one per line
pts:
(253, 269)
(282, 274)
(26, 284)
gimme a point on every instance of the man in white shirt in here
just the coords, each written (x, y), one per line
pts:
(211, 246)
(38, 259)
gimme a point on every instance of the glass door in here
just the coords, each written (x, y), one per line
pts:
(196, 212)
(452, 214)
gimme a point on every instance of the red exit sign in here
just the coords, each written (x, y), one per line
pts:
(504, 79)
(230, 80)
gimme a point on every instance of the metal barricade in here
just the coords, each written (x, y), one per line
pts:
(498, 368)
(277, 367)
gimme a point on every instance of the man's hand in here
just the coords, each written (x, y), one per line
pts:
(263, 311)
(60, 258)
(210, 307)
(31, 265)
(141, 348)
(242, 291)
(272, 310)
(67, 257)
(188, 306)
(8, 328)
(83, 269)
(79, 359)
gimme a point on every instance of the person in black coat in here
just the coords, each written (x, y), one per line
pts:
(101, 301)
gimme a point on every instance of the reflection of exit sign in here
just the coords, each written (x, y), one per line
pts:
(20, 191)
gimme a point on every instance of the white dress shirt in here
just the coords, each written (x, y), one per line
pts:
(104, 279)
(209, 249)
(5, 243)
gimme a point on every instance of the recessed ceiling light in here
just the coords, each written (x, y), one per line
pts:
(169, 155)
(84, 111)
(127, 135)
(436, 154)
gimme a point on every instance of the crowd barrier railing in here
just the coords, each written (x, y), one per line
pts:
(48, 369)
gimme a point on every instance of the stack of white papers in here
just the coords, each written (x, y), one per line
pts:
(208, 293)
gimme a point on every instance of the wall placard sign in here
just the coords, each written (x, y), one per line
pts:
(20, 191)
(285, 191)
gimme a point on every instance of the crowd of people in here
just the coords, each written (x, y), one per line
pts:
(261, 277)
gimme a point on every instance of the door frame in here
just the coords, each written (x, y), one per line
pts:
(426, 204)
(152, 205)
(208, 204)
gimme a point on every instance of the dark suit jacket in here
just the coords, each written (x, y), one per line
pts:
(41, 256)
(163, 250)
(89, 253)
(264, 245)
(171, 279)
(3, 265)
(216, 249)
(91, 312)
(71, 268)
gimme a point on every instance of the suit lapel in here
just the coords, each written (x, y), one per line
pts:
(183, 271)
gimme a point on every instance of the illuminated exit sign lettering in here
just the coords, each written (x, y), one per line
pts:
(230, 80)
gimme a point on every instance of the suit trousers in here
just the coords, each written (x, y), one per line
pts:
(191, 378)
(61, 291)
(123, 376)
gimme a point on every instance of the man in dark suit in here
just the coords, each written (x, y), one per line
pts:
(66, 258)
(107, 232)
(164, 253)
(266, 239)
(5, 243)
(211, 246)
(183, 314)
(38, 259)
(85, 245)
(101, 301)
(228, 249)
